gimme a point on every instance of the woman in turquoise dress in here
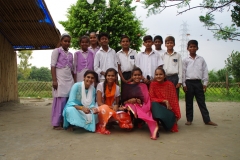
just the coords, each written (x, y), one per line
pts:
(80, 109)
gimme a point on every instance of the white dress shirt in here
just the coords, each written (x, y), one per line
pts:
(195, 69)
(160, 52)
(173, 64)
(148, 63)
(105, 60)
(127, 61)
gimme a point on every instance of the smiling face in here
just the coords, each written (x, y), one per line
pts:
(169, 45)
(65, 42)
(192, 48)
(110, 76)
(125, 43)
(104, 41)
(84, 44)
(159, 75)
(88, 80)
(93, 39)
(136, 76)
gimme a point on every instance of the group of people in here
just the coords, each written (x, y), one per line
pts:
(86, 91)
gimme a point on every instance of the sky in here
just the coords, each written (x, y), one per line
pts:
(165, 24)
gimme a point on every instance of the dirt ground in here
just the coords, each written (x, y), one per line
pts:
(26, 134)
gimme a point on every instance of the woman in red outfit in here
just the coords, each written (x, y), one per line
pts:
(165, 106)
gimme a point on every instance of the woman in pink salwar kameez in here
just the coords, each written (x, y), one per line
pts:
(136, 99)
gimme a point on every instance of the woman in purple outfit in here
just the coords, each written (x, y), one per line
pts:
(83, 59)
(62, 77)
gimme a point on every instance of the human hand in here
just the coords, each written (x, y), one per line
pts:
(55, 85)
(85, 110)
(178, 85)
(146, 81)
(115, 108)
(204, 88)
(102, 73)
(185, 89)
(168, 105)
(138, 101)
(95, 110)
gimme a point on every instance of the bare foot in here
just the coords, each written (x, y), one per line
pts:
(70, 129)
(211, 123)
(57, 128)
(188, 123)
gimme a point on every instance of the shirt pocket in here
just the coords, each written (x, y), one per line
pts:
(174, 62)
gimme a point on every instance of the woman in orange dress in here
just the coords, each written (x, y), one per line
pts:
(108, 94)
(165, 105)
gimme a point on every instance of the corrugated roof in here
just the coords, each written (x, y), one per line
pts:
(27, 24)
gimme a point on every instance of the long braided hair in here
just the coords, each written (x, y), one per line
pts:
(105, 81)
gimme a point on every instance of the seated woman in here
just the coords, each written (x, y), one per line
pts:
(108, 99)
(80, 109)
(136, 99)
(165, 106)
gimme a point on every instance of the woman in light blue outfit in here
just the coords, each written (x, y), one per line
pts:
(80, 109)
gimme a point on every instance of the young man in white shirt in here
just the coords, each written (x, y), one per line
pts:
(105, 57)
(158, 41)
(148, 60)
(172, 64)
(194, 72)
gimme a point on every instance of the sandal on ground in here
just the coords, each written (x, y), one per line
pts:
(57, 128)
(211, 123)
(188, 123)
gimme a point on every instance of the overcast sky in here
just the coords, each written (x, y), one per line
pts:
(164, 24)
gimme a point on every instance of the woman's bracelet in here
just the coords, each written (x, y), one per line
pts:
(80, 107)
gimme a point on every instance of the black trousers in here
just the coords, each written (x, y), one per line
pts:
(195, 88)
(174, 79)
(127, 76)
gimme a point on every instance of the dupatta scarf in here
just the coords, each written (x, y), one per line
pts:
(165, 91)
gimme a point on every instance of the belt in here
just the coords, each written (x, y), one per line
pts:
(193, 80)
(172, 75)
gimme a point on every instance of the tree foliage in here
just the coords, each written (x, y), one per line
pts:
(233, 64)
(117, 19)
(219, 75)
(40, 74)
(220, 31)
(24, 66)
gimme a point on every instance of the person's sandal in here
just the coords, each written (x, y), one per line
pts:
(188, 123)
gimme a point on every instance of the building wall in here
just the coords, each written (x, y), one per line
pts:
(8, 72)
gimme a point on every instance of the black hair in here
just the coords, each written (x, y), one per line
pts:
(89, 72)
(158, 37)
(136, 69)
(124, 36)
(160, 68)
(105, 81)
(192, 42)
(65, 35)
(84, 37)
(147, 37)
(103, 34)
(170, 38)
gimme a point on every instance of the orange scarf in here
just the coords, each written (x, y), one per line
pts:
(110, 95)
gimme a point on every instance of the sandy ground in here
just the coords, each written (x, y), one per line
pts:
(26, 134)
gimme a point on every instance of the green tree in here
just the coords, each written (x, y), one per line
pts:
(212, 76)
(233, 65)
(220, 32)
(40, 74)
(117, 18)
(24, 66)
